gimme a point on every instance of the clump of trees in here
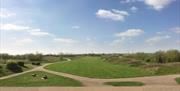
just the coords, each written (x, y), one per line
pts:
(35, 58)
(157, 57)
(14, 67)
(167, 56)
(139, 58)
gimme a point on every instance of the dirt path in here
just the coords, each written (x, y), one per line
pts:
(166, 80)
(144, 88)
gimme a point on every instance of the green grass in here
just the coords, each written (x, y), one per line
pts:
(128, 83)
(26, 80)
(178, 80)
(95, 67)
(170, 69)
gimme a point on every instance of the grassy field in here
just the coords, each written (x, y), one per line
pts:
(171, 69)
(95, 67)
(178, 80)
(124, 83)
(27, 80)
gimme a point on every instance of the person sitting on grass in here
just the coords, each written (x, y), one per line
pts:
(44, 77)
(34, 75)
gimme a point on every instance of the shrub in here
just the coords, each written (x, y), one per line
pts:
(36, 63)
(14, 67)
(20, 63)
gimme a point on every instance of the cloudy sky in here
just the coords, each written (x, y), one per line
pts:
(85, 26)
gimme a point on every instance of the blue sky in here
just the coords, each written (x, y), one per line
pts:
(86, 26)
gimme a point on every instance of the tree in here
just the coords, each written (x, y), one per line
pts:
(35, 57)
(5, 57)
(172, 56)
(14, 67)
(159, 57)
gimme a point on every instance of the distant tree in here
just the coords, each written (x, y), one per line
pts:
(5, 57)
(35, 57)
(172, 56)
(159, 57)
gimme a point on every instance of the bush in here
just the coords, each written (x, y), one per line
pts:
(14, 67)
(36, 63)
(20, 64)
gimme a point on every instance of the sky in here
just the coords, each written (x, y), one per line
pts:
(89, 26)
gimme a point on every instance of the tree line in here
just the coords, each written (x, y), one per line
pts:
(157, 57)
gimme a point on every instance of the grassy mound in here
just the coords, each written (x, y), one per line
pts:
(128, 83)
(26, 80)
(95, 67)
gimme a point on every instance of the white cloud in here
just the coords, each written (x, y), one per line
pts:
(176, 30)
(157, 39)
(23, 42)
(158, 4)
(129, 1)
(34, 32)
(4, 13)
(130, 33)
(134, 9)
(39, 33)
(13, 27)
(113, 14)
(75, 27)
(127, 35)
(117, 42)
(65, 40)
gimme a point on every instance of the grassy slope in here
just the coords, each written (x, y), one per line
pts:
(28, 80)
(94, 67)
(178, 80)
(125, 83)
(164, 70)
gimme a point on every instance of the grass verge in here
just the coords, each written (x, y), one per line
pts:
(178, 80)
(128, 83)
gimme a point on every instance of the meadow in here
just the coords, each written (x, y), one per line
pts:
(96, 67)
(26, 80)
